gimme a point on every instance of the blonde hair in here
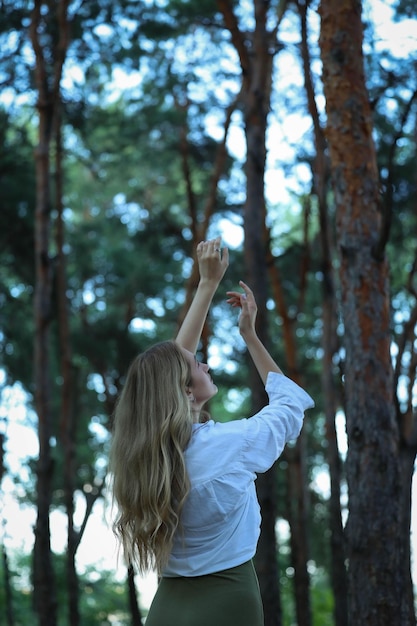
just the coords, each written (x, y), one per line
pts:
(152, 427)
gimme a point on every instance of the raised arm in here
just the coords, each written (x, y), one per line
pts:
(212, 263)
(262, 360)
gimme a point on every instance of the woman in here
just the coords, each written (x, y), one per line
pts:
(185, 485)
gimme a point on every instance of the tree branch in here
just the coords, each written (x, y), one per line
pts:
(386, 206)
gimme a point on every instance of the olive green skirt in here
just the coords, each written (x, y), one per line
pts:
(227, 598)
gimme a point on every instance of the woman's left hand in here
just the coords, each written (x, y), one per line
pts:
(246, 302)
(212, 260)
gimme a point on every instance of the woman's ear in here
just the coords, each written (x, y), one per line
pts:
(190, 394)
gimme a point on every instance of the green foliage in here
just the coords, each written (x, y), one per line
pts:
(322, 599)
(405, 9)
(128, 218)
(17, 180)
(103, 599)
(322, 604)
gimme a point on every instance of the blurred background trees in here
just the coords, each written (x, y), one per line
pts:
(132, 130)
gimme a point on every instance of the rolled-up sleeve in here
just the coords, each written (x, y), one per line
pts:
(280, 421)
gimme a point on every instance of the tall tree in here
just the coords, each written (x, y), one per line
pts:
(376, 579)
(396, 143)
(127, 183)
(67, 430)
(256, 50)
(49, 35)
(330, 342)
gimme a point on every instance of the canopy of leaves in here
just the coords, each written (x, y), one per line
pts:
(145, 97)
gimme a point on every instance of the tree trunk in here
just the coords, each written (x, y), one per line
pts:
(376, 579)
(255, 50)
(337, 538)
(408, 456)
(297, 507)
(297, 492)
(48, 87)
(329, 338)
(44, 586)
(8, 609)
(67, 419)
(256, 276)
(136, 617)
(256, 99)
(43, 575)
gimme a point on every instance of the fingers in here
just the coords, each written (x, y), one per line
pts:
(248, 291)
(211, 252)
(236, 298)
(212, 246)
(225, 256)
(209, 246)
(216, 243)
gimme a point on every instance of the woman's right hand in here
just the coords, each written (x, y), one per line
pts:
(212, 261)
(246, 302)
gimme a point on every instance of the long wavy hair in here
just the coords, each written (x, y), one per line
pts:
(152, 427)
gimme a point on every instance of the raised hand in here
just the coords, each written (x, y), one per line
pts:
(212, 264)
(262, 360)
(212, 260)
(246, 302)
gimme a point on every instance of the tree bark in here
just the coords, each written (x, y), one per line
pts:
(133, 599)
(376, 579)
(43, 574)
(8, 609)
(256, 67)
(404, 369)
(297, 499)
(48, 86)
(256, 50)
(67, 418)
(406, 418)
(256, 98)
(330, 343)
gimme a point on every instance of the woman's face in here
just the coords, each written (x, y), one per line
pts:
(202, 386)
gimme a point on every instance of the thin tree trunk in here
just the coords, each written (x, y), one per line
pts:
(408, 456)
(133, 599)
(337, 538)
(330, 342)
(256, 98)
(298, 506)
(67, 420)
(9, 614)
(297, 493)
(406, 418)
(48, 86)
(256, 276)
(43, 574)
(6, 576)
(406, 414)
(376, 575)
(255, 51)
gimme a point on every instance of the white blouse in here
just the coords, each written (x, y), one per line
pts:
(220, 521)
